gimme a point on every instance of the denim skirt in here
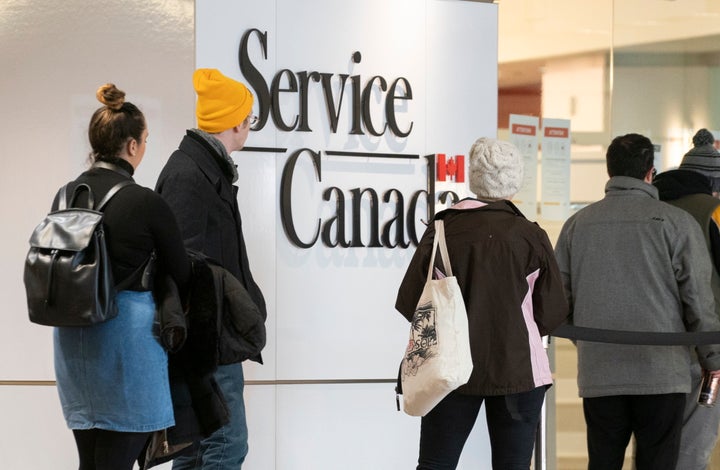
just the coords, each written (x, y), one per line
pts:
(114, 375)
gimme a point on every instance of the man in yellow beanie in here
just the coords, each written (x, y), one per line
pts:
(197, 183)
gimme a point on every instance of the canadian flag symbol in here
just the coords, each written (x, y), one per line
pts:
(452, 169)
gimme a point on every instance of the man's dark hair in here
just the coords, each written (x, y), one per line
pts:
(630, 155)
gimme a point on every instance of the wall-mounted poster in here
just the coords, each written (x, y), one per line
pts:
(525, 134)
(555, 201)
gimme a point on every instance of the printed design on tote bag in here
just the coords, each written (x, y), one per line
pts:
(423, 342)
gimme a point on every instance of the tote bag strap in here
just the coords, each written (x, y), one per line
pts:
(439, 240)
(444, 257)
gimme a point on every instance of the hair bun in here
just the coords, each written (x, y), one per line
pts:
(110, 96)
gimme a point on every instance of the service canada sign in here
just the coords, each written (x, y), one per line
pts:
(375, 105)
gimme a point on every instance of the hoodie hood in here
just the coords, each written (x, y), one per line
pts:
(675, 184)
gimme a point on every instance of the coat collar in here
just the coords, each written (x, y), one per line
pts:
(207, 163)
(619, 184)
(471, 204)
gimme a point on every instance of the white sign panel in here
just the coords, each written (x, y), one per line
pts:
(356, 101)
(555, 169)
(334, 182)
(524, 133)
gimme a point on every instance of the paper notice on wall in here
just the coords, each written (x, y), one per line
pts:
(524, 134)
(555, 187)
(658, 158)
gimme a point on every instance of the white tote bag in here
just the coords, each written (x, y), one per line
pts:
(437, 359)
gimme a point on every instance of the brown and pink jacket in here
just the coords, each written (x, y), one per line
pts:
(512, 288)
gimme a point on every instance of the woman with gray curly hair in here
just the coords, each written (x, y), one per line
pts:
(513, 294)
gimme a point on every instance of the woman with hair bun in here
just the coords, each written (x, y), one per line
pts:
(112, 377)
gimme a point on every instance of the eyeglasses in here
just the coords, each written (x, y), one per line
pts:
(252, 119)
(654, 172)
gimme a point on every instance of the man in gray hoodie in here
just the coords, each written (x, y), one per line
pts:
(631, 262)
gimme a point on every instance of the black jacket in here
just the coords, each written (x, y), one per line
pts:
(223, 326)
(196, 184)
(675, 184)
(692, 191)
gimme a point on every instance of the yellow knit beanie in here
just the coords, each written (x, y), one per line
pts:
(222, 102)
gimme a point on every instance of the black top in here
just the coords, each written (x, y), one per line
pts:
(136, 220)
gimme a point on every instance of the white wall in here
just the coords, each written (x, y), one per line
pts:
(55, 55)
(537, 29)
(331, 309)
(667, 103)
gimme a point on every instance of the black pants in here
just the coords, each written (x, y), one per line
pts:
(109, 450)
(512, 424)
(656, 421)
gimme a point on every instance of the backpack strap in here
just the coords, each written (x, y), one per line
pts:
(76, 192)
(113, 191)
(62, 198)
(63, 203)
(145, 273)
(148, 267)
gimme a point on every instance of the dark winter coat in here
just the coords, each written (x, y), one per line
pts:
(512, 289)
(692, 191)
(196, 185)
(223, 326)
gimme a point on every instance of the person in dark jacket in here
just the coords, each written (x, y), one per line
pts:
(217, 301)
(112, 377)
(692, 187)
(197, 183)
(513, 294)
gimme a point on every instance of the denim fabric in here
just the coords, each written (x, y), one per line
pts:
(700, 427)
(512, 424)
(227, 447)
(113, 375)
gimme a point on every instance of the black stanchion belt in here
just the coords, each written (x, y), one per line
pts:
(645, 338)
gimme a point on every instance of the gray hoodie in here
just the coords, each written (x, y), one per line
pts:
(631, 262)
